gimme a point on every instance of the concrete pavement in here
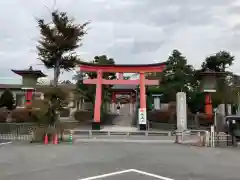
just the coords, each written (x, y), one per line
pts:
(85, 160)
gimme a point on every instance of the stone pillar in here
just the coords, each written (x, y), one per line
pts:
(156, 98)
(221, 109)
(181, 111)
(229, 109)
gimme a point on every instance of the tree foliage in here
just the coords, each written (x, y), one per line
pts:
(178, 76)
(218, 62)
(88, 90)
(59, 38)
(7, 100)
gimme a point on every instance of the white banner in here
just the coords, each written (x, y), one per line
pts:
(142, 116)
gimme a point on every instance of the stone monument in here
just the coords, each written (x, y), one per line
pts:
(181, 110)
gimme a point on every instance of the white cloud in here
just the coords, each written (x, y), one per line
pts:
(130, 31)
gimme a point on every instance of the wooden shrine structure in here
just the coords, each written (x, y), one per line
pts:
(123, 94)
(29, 81)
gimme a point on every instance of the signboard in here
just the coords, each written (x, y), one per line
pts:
(142, 116)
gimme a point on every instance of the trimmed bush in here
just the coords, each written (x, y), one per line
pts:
(24, 115)
(83, 116)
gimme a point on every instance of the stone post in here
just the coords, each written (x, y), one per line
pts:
(181, 111)
(156, 98)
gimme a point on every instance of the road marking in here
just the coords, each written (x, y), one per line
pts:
(10, 142)
(151, 175)
(126, 171)
(107, 175)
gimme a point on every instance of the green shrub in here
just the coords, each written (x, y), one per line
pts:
(24, 115)
(83, 116)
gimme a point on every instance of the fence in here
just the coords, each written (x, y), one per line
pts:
(16, 128)
(16, 131)
(14, 137)
(94, 133)
(221, 139)
(206, 138)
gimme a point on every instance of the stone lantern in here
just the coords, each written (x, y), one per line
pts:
(208, 86)
(29, 81)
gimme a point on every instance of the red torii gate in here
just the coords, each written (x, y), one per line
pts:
(100, 69)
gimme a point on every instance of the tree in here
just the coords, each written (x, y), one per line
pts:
(7, 100)
(59, 38)
(218, 62)
(88, 90)
(177, 76)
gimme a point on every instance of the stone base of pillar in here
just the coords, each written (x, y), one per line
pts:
(142, 127)
(96, 125)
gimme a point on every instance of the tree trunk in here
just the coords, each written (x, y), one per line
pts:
(56, 74)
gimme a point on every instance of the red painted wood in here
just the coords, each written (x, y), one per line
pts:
(142, 91)
(29, 96)
(208, 106)
(125, 69)
(98, 98)
(121, 82)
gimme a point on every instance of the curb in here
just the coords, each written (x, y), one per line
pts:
(125, 141)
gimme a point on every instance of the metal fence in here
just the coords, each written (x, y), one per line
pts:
(14, 137)
(206, 138)
(16, 128)
(95, 133)
(16, 131)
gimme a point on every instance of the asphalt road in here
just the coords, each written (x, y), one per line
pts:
(129, 161)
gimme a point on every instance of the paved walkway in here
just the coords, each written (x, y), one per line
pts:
(123, 121)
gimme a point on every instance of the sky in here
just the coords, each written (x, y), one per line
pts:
(130, 31)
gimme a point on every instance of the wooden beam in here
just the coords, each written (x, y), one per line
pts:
(121, 82)
(124, 69)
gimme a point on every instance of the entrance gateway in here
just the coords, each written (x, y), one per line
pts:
(142, 69)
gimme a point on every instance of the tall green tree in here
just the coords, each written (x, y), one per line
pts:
(178, 76)
(58, 41)
(89, 90)
(218, 62)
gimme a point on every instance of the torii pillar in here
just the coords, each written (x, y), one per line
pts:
(98, 99)
(143, 126)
